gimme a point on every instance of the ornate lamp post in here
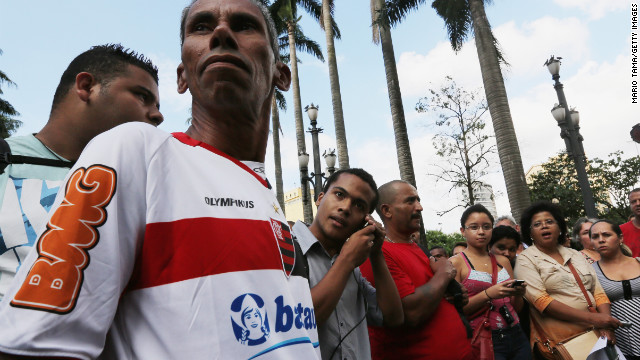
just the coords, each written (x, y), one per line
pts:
(317, 178)
(307, 211)
(569, 123)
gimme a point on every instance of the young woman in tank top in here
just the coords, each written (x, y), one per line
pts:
(475, 271)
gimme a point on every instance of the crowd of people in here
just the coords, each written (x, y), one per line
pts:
(121, 241)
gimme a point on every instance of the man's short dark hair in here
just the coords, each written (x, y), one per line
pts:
(434, 247)
(477, 208)
(105, 63)
(363, 175)
(459, 243)
(632, 191)
(502, 232)
(542, 206)
(271, 27)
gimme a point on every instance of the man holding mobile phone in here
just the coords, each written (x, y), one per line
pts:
(334, 245)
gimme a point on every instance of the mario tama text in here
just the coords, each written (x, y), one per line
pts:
(634, 53)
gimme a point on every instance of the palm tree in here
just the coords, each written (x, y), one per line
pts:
(278, 102)
(382, 35)
(459, 17)
(7, 123)
(336, 98)
(291, 36)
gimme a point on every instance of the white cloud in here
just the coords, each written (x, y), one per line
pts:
(600, 91)
(527, 46)
(596, 9)
(168, 87)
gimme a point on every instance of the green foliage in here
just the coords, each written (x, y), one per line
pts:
(437, 237)
(457, 18)
(610, 180)
(8, 124)
(461, 140)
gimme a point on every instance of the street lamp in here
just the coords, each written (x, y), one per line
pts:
(330, 159)
(569, 123)
(317, 177)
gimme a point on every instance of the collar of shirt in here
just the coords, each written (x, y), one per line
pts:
(307, 240)
(564, 252)
(257, 168)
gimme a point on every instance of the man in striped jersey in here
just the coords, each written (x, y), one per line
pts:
(170, 246)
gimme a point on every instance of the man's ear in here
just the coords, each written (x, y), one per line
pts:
(384, 212)
(319, 198)
(182, 80)
(282, 76)
(85, 83)
(462, 231)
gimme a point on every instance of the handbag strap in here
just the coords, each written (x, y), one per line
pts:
(579, 281)
(494, 269)
(543, 335)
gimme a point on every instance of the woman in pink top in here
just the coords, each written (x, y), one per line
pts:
(475, 271)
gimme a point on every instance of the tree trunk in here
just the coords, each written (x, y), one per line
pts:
(405, 162)
(506, 140)
(336, 98)
(275, 123)
(403, 150)
(302, 148)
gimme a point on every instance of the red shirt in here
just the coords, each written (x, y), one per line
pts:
(631, 237)
(441, 337)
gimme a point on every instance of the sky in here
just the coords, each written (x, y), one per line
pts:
(39, 38)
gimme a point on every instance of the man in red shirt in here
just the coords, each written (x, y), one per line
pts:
(432, 328)
(631, 229)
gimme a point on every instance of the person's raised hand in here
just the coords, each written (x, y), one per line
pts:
(358, 246)
(442, 265)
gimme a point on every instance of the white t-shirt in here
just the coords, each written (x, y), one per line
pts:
(161, 247)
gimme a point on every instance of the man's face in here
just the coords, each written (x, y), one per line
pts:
(342, 209)
(227, 59)
(405, 209)
(634, 203)
(133, 96)
(438, 253)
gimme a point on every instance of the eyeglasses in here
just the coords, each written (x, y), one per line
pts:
(538, 224)
(476, 227)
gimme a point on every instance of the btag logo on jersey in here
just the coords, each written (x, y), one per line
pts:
(54, 281)
(249, 319)
(285, 245)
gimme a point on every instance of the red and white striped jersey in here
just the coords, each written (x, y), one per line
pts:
(161, 247)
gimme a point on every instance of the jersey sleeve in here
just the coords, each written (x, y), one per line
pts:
(65, 295)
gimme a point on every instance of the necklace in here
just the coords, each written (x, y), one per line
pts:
(393, 242)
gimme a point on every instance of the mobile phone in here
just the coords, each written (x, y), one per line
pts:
(625, 323)
(517, 283)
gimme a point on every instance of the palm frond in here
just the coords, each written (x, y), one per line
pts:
(397, 10)
(281, 101)
(457, 19)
